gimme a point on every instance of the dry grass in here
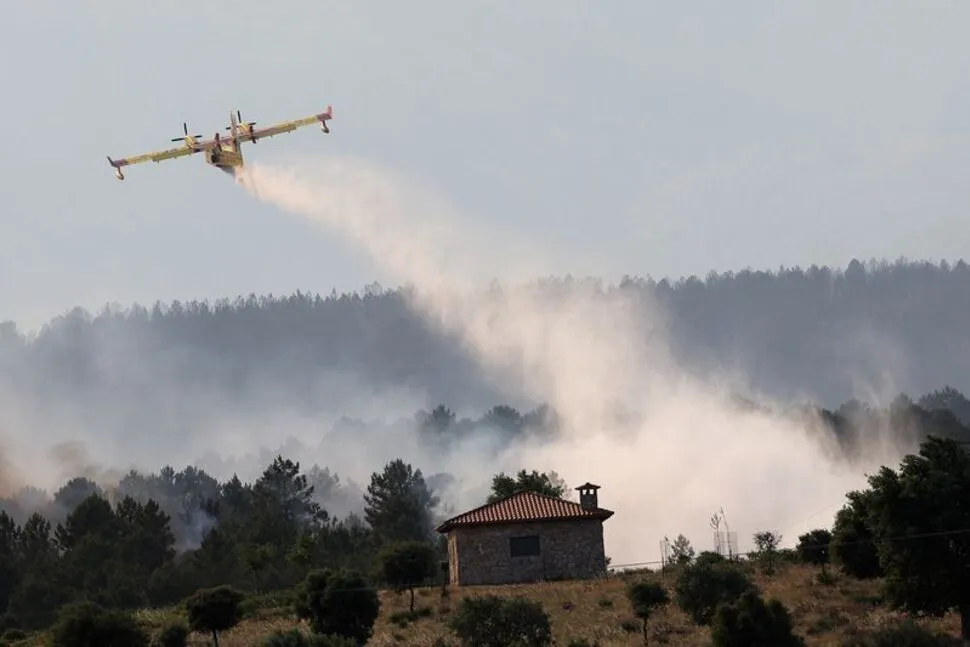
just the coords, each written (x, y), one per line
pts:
(599, 610)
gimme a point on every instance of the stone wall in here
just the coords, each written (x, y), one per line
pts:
(567, 550)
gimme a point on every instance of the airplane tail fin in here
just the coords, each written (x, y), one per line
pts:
(323, 117)
(117, 168)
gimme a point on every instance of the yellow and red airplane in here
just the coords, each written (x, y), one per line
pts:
(223, 153)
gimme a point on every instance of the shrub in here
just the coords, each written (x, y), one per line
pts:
(767, 543)
(750, 622)
(813, 547)
(214, 610)
(853, 548)
(175, 634)
(709, 581)
(405, 565)
(493, 621)
(645, 597)
(338, 603)
(86, 624)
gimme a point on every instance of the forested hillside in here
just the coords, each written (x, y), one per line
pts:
(819, 332)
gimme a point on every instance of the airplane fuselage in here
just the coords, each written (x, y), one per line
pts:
(225, 157)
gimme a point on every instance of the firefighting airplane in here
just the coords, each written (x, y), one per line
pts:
(223, 153)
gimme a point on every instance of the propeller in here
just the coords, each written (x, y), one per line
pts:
(185, 129)
(241, 122)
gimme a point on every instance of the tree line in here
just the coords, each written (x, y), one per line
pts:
(119, 548)
(815, 330)
(185, 495)
(910, 528)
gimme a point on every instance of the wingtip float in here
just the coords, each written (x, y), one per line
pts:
(225, 153)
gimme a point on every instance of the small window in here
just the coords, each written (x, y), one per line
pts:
(524, 546)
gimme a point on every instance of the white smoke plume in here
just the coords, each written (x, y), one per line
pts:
(669, 449)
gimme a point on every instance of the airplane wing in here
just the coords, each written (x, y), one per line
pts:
(157, 156)
(289, 126)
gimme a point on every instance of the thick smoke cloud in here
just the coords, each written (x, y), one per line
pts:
(670, 448)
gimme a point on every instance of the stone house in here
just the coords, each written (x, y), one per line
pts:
(527, 537)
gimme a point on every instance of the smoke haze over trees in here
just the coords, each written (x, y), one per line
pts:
(345, 382)
(818, 333)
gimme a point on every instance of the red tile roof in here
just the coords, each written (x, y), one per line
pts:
(524, 507)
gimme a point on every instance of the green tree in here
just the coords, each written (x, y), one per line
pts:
(86, 624)
(174, 634)
(217, 559)
(283, 488)
(109, 554)
(750, 622)
(340, 603)
(504, 419)
(766, 543)
(493, 621)
(282, 506)
(708, 582)
(853, 546)
(681, 551)
(929, 500)
(813, 547)
(92, 517)
(9, 539)
(548, 484)
(399, 504)
(43, 585)
(645, 597)
(947, 399)
(438, 422)
(72, 493)
(215, 609)
(405, 565)
(148, 539)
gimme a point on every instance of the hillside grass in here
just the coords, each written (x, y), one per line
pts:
(824, 614)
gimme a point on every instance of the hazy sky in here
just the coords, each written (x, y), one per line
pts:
(622, 137)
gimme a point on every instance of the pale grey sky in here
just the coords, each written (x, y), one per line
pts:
(625, 137)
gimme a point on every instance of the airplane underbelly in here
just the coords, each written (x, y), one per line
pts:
(226, 158)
